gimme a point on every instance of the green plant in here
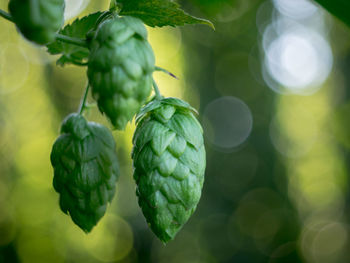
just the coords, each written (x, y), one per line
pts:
(121, 64)
(86, 170)
(38, 20)
(169, 162)
(338, 8)
(168, 154)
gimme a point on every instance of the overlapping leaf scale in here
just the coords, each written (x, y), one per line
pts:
(169, 164)
(120, 68)
(85, 170)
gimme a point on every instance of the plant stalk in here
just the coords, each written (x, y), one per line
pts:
(156, 90)
(6, 15)
(82, 106)
(72, 40)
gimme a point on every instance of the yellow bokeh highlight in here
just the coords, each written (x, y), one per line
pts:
(316, 172)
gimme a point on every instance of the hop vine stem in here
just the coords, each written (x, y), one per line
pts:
(72, 40)
(156, 90)
(6, 15)
(60, 37)
(83, 101)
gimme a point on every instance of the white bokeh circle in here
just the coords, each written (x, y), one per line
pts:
(228, 122)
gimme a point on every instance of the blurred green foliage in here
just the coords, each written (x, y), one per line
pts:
(339, 8)
(280, 196)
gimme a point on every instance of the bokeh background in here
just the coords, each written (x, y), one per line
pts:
(271, 85)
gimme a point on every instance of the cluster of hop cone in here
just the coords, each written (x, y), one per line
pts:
(168, 149)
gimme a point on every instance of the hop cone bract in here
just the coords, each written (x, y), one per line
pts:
(85, 170)
(120, 68)
(38, 20)
(169, 164)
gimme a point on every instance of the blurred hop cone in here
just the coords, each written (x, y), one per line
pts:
(85, 170)
(38, 20)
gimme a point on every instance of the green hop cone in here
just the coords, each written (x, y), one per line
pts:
(120, 68)
(169, 164)
(85, 170)
(38, 20)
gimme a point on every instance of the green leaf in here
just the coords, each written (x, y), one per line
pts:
(78, 29)
(339, 8)
(179, 103)
(159, 13)
(154, 104)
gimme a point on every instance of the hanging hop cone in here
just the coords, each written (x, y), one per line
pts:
(85, 170)
(169, 164)
(38, 20)
(120, 68)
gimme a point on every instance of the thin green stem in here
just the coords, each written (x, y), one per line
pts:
(165, 71)
(83, 101)
(78, 63)
(156, 90)
(72, 40)
(6, 15)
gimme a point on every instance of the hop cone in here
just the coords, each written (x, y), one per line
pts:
(85, 170)
(169, 164)
(38, 20)
(120, 68)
